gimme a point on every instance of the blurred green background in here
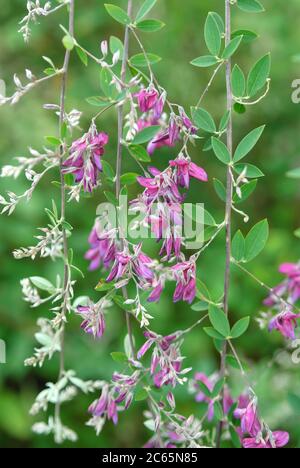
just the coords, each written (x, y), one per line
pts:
(276, 198)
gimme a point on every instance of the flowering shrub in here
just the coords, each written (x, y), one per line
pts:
(129, 277)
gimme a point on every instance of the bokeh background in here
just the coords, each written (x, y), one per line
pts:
(277, 381)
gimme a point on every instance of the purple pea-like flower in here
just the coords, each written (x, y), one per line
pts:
(285, 322)
(276, 439)
(185, 169)
(291, 286)
(84, 161)
(147, 99)
(102, 250)
(185, 275)
(93, 318)
(247, 413)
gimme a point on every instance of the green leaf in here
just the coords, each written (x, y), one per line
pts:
(212, 35)
(200, 306)
(139, 153)
(231, 361)
(248, 36)
(209, 219)
(220, 22)
(141, 395)
(150, 25)
(294, 173)
(146, 135)
(219, 321)
(103, 286)
(53, 140)
(68, 42)
(108, 170)
(250, 6)
(201, 290)
(129, 178)
(117, 13)
(258, 75)
(220, 189)
(240, 327)
(120, 302)
(204, 61)
(213, 333)
(224, 121)
(218, 387)
(256, 240)
(145, 9)
(238, 82)
(119, 357)
(204, 389)
(116, 45)
(139, 60)
(239, 108)
(204, 120)
(232, 47)
(42, 283)
(111, 198)
(248, 143)
(238, 246)
(247, 190)
(235, 439)
(98, 101)
(107, 87)
(250, 171)
(221, 151)
(83, 56)
(218, 411)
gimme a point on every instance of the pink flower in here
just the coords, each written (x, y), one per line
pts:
(277, 439)
(185, 275)
(285, 322)
(161, 185)
(156, 292)
(93, 318)
(259, 435)
(84, 161)
(120, 266)
(247, 413)
(166, 359)
(102, 249)
(140, 264)
(186, 169)
(161, 140)
(187, 123)
(291, 286)
(147, 98)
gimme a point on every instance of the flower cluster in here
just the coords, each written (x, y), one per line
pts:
(115, 397)
(282, 299)
(253, 432)
(93, 316)
(84, 161)
(166, 361)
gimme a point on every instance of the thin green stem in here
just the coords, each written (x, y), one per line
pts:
(228, 208)
(66, 274)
